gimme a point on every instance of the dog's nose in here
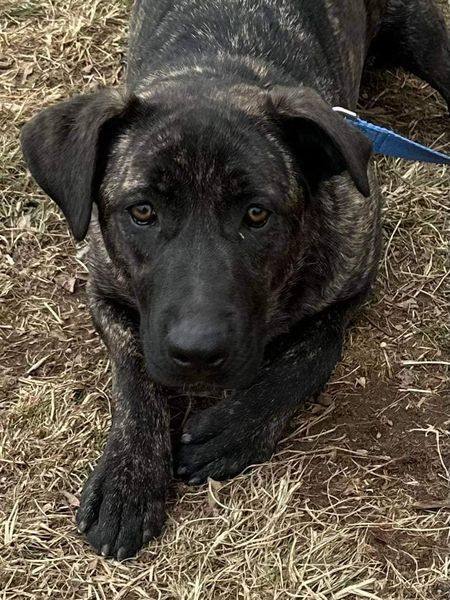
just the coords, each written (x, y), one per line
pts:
(196, 345)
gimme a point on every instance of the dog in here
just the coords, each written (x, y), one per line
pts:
(234, 225)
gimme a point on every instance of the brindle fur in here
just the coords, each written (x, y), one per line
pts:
(251, 79)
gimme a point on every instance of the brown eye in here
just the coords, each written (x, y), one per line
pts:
(143, 214)
(256, 216)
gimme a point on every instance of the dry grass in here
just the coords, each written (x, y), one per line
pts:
(356, 502)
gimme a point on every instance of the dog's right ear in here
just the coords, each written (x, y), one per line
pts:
(62, 146)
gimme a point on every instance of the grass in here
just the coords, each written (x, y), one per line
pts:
(355, 504)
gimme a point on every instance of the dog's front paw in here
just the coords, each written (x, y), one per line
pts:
(222, 441)
(119, 512)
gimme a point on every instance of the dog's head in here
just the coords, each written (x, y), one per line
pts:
(203, 204)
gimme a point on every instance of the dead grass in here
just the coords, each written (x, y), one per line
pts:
(356, 502)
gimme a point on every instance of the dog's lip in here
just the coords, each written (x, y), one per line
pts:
(193, 377)
(222, 381)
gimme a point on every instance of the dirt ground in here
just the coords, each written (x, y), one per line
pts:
(356, 502)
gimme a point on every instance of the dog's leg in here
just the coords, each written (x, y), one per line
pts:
(243, 430)
(414, 36)
(123, 503)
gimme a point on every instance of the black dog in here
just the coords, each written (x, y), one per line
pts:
(235, 224)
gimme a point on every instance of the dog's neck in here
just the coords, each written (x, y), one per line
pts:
(228, 71)
(273, 44)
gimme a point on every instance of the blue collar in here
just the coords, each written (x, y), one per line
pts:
(389, 143)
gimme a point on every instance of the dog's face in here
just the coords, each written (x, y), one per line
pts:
(200, 209)
(203, 206)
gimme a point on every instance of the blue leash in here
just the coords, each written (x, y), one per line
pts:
(389, 143)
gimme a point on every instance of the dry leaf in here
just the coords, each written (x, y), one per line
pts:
(432, 504)
(72, 500)
(213, 488)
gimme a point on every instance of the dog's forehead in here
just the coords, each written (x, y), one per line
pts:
(135, 159)
(164, 158)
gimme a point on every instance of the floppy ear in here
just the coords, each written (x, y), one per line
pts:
(322, 142)
(61, 146)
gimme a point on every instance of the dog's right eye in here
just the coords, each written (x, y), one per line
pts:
(256, 216)
(143, 214)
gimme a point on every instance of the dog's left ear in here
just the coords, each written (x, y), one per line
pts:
(62, 147)
(322, 142)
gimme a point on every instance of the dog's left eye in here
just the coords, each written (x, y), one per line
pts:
(256, 216)
(143, 214)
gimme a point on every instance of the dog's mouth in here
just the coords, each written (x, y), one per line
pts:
(237, 373)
